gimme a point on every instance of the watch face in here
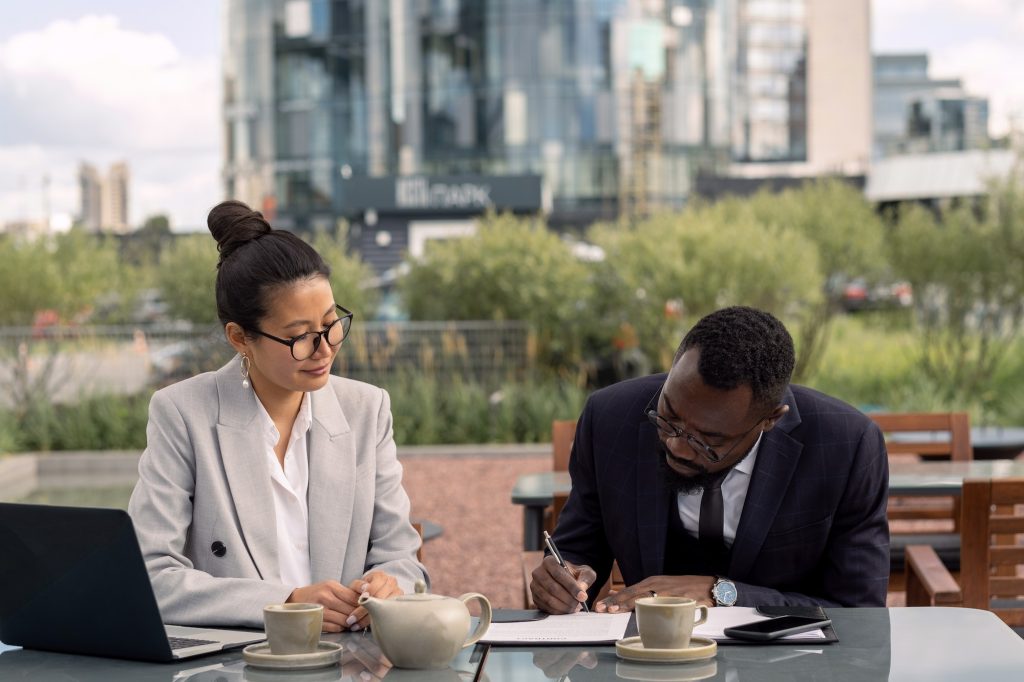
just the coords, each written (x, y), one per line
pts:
(725, 593)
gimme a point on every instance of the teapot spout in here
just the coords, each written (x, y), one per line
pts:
(369, 603)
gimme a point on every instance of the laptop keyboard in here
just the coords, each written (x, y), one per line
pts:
(185, 642)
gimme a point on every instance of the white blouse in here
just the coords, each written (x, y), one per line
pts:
(289, 485)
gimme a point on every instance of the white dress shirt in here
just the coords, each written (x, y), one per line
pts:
(289, 485)
(734, 494)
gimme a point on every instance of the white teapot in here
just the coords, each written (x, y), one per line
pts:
(422, 630)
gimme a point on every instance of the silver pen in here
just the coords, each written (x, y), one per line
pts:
(561, 562)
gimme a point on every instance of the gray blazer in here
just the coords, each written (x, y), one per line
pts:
(204, 511)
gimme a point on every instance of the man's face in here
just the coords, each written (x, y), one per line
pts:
(724, 420)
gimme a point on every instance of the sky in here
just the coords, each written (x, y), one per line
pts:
(110, 80)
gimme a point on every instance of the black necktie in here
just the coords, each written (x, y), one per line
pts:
(712, 510)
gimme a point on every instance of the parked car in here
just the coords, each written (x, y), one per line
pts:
(857, 294)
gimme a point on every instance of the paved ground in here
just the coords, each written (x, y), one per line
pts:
(480, 549)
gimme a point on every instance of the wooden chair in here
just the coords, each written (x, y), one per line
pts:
(992, 557)
(419, 551)
(924, 520)
(563, 432)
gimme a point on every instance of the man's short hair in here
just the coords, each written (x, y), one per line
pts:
(741, 345)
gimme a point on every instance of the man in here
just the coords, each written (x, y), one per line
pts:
(723, 483)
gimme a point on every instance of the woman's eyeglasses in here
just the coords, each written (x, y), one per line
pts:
(304, 345)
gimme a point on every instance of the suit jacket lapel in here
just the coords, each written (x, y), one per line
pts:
(652, 498)
(332, 467)
(243, 452)
(776, 461)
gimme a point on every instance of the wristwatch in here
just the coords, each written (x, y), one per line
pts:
(724, 592)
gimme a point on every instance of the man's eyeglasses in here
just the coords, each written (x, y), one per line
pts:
(699, 446)
(304, 345)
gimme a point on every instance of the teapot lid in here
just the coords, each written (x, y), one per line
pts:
(421, 594)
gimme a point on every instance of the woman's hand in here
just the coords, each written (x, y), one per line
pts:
(376, 584)
(339, 603)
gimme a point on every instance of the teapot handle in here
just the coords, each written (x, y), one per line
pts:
(485, 616)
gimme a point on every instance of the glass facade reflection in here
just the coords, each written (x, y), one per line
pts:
(613, 103)
(771, 121)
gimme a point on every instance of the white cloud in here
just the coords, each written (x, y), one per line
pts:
(92, 89)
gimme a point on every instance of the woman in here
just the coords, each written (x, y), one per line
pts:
(270, 480)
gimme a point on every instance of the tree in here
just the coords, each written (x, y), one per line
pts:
(143, 246)
(665, 272)
(848, 236)
(965, 266)
(511, 269)
(187, 276)
(28, 280)
(349, 276)
(66, 274)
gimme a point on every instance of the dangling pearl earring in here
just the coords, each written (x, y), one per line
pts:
(245, 371)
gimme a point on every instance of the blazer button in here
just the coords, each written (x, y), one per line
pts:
(218, 548)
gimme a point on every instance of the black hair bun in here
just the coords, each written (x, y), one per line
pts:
(234, 224)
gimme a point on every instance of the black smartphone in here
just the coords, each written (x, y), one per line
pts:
(773, 628)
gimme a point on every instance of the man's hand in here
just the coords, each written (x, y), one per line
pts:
(338, 601)
(376, 584)
(696, 587)
(556, 590)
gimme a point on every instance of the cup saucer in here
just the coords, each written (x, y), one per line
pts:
(632, 649)
(259, 656)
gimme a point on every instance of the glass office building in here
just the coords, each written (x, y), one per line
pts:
(612, 103)
(915, 113)
(401, 116)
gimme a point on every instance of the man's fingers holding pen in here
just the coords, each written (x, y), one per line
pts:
(557, 590)
(576, 581)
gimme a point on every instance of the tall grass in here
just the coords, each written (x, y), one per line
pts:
(877, 366)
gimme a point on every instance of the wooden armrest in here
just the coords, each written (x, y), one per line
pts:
(928, 581)
(529, 561)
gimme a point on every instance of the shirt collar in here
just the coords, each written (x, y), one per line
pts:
(303, 421)
(746, 465)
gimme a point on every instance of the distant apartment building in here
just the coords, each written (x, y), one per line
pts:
(915, 113)
(803, 102)
(409, 118)
(90, 187)
(103, 202)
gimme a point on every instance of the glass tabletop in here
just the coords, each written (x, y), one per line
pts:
(361, 661)
(934, 644)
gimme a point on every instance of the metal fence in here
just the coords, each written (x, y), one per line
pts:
(64, 363)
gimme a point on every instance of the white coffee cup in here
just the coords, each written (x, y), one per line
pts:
(293, 628)
(667, 622)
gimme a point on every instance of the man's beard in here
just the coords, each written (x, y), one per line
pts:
(693, 483)
(680, 483)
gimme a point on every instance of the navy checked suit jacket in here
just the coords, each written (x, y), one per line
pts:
(813, 528)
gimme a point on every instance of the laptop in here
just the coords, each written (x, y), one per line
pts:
(73, 580)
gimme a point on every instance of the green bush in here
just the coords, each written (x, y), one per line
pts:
(429, 411)
(94, 423)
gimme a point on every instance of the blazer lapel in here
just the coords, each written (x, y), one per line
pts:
(242, 450)
(332, 468)
(652, 499)
(776, 461)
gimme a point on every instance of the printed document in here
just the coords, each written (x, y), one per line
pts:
(573, 628)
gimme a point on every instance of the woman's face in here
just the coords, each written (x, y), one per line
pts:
(306, 306)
